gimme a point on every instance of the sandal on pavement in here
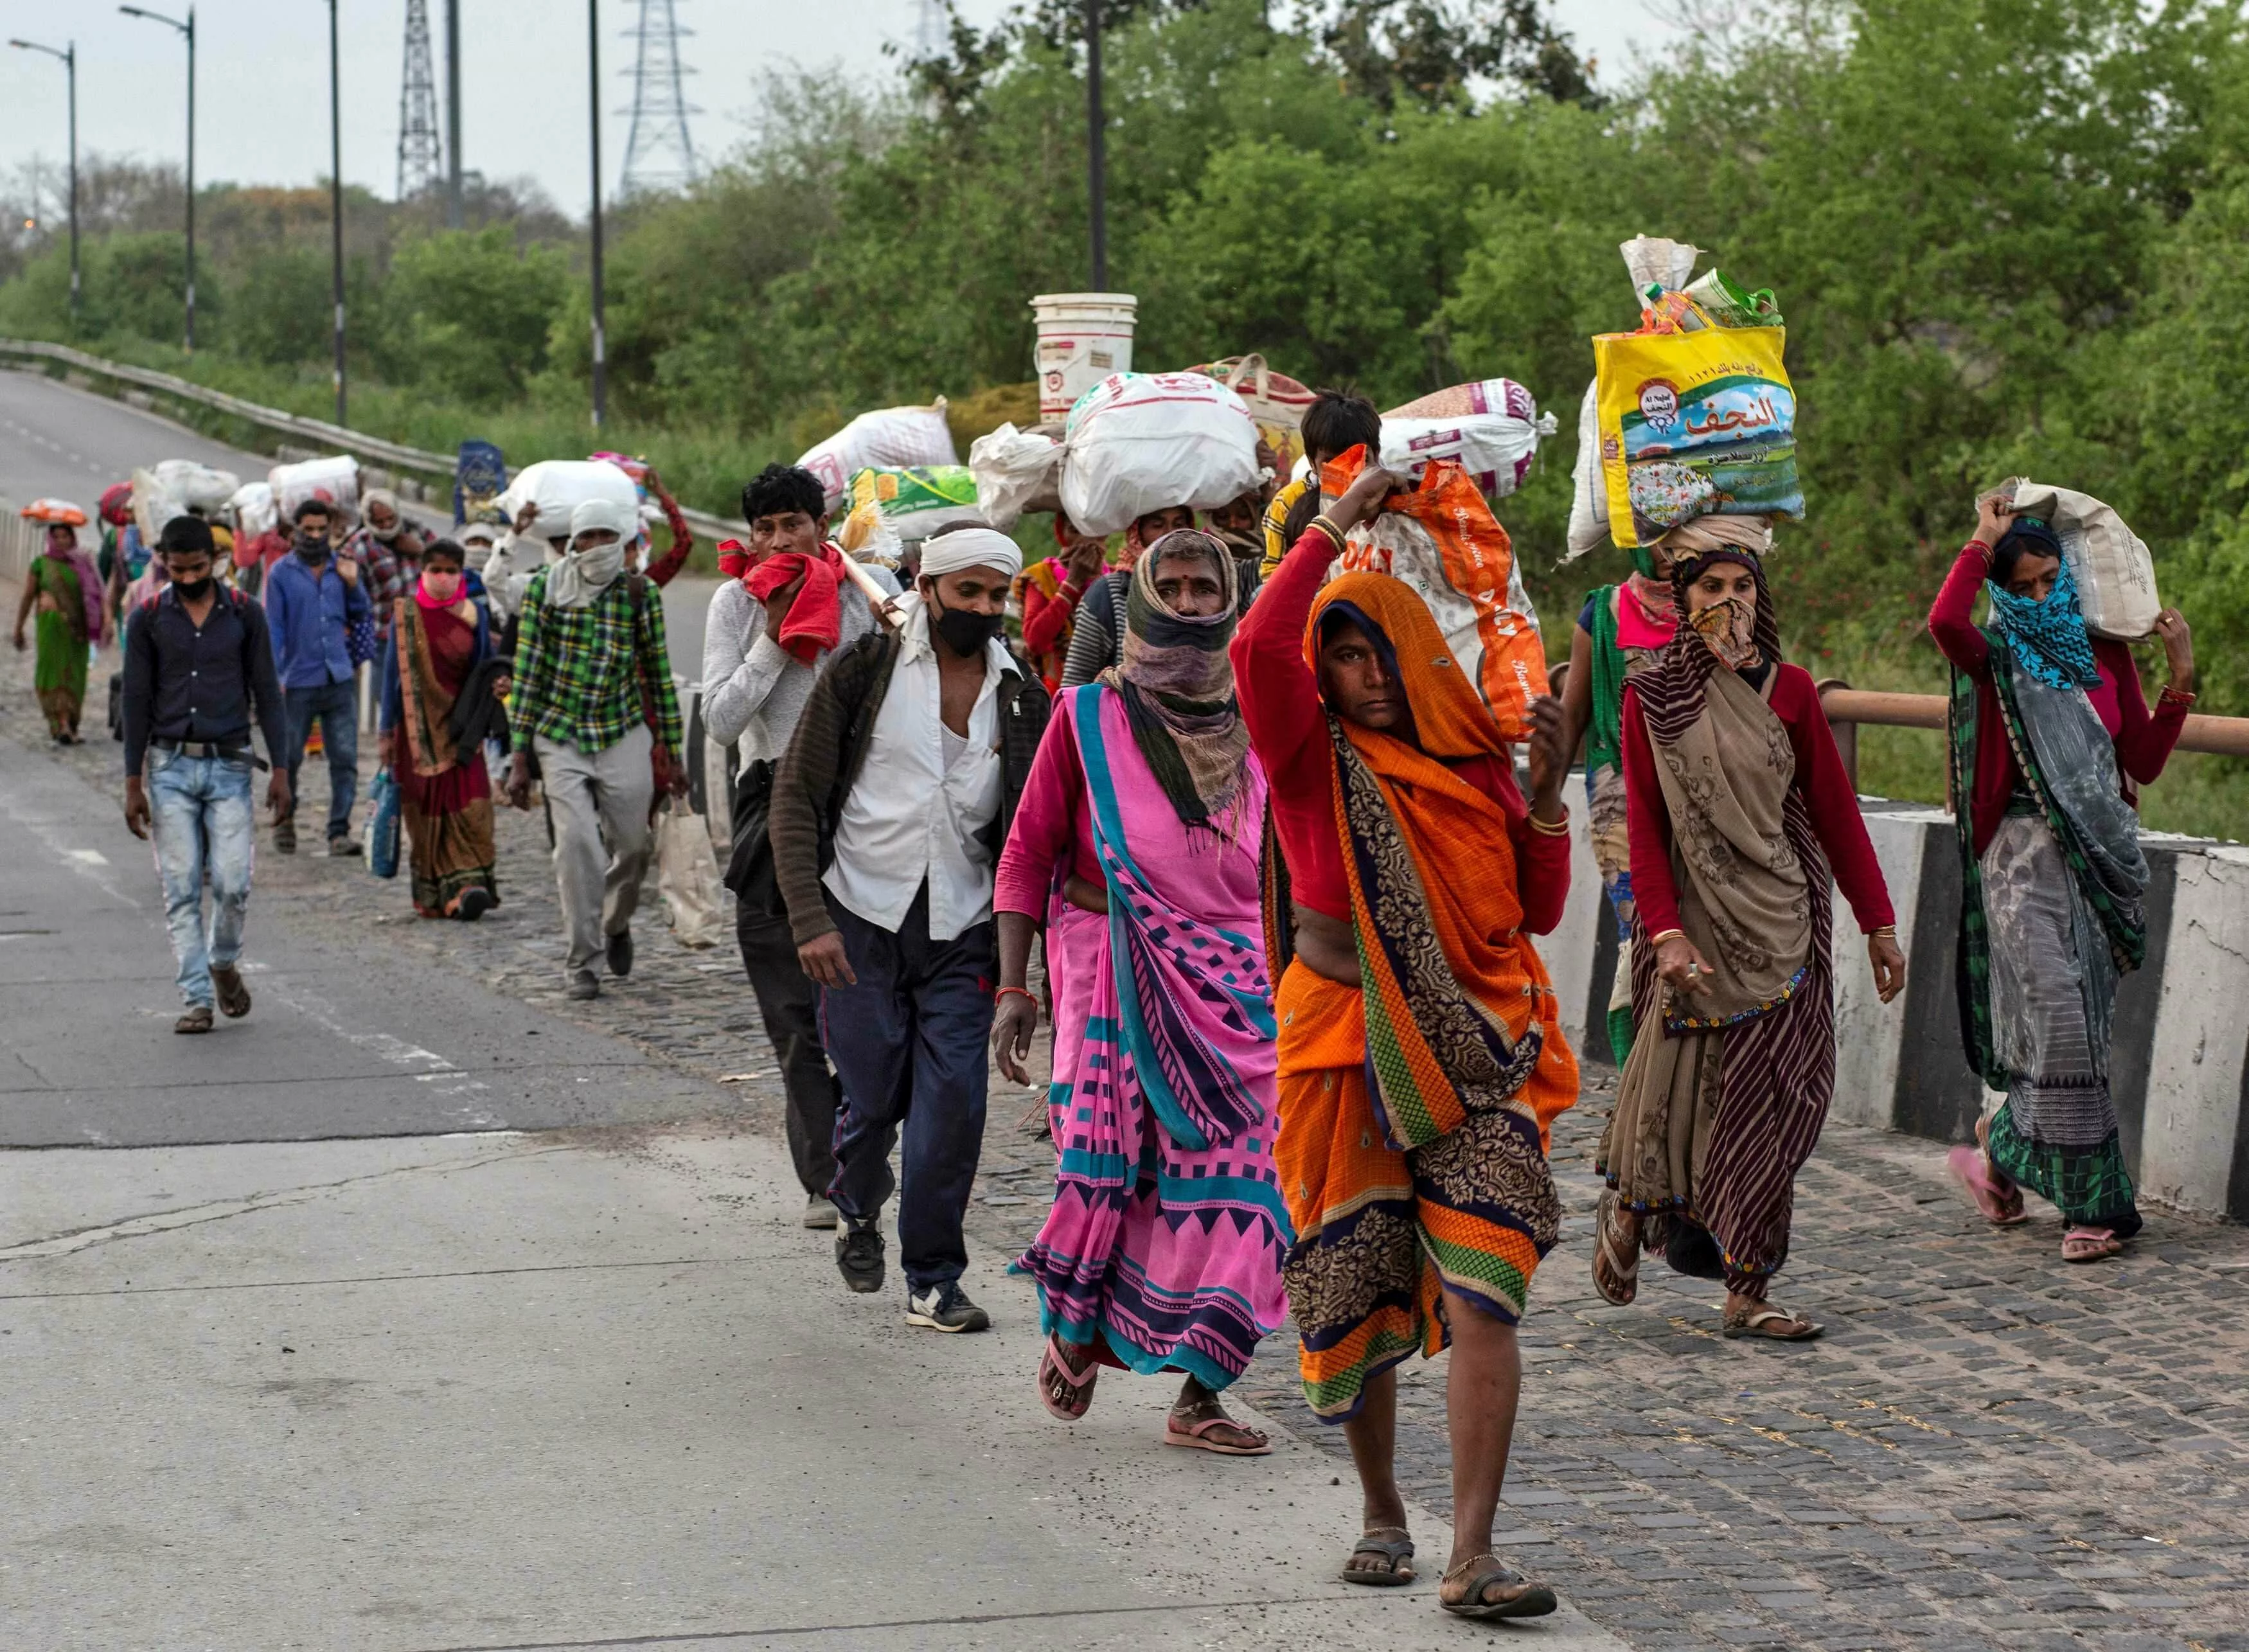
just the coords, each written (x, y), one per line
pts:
(196, 1019)
(1396, 1554)
(1616, 1260)
(1199, 1435)
(1999, 1199)
(1534, 1600)
(2090, 1244)
(1791, 1328)
(1066, 1393)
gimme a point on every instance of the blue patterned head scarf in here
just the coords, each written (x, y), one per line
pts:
(2048, 638)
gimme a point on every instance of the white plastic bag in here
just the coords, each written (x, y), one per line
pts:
(560, 487)
(1490, 429)
(890, 435)
(253, 508)
(2116, 575)
(179, 487)
(1142, 442)
(334, 480)
(687, 875)
(1012, 469)
(1589, 493)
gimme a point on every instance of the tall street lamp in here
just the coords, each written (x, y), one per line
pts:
(69, 57)
(452, 114)
(187, 30)
(594, 86)
(1096, 147)
(336, 200)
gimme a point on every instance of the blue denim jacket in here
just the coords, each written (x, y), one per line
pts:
(310, 616)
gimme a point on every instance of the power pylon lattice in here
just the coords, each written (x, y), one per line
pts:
(421, 153)
(931, 28)
(659, 153)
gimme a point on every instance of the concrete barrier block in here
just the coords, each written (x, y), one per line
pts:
(2192, 1142)
(1869, 1034)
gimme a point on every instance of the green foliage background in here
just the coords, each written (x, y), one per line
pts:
(2009, 235)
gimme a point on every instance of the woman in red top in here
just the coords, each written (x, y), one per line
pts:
(1739, 806)
(1421, 1056)
(2044, 716)
(1050, 593)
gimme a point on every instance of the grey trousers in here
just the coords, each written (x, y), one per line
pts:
(600, 802)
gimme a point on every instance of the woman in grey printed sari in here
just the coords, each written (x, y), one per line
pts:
(2046, 723)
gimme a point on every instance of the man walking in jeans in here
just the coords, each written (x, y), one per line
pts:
(196, 656)
(592, 673)
(888, 813)
(313, 597)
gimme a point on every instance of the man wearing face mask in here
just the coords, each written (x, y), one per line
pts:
(888, 813)
(593, 695)
(312, 599)
(389, 552)
(196, 655)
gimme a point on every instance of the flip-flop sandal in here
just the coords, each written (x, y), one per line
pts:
(1754, 1326)
(2090, 1244)
(1397, 1552)
(1484, 1570)
(1197, 1436)
(1997, 1203)
(1057, 1382)
(1621, 1260)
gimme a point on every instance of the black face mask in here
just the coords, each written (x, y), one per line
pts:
(195, 592)
(965, 631)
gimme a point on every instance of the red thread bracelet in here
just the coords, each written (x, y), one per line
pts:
(1022, 992)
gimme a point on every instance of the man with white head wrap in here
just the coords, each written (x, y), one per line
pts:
(901, 781)
(593, 698)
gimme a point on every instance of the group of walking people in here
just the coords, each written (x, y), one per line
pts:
(1264, 858)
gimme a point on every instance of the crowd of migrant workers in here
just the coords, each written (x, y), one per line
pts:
(1285, 875)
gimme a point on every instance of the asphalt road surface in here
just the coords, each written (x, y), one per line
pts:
(58, 440)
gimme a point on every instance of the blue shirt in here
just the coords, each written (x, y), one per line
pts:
(310, 615)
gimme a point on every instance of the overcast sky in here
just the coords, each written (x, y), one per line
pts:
(263, 93)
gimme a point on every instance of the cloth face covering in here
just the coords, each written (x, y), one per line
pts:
(1177, 683)
(1728, 627)
(2048, 638)
(815, 624)
(437, 590)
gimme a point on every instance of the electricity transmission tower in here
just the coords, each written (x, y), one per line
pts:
(658, 154)
(930, 30)
(421, 158)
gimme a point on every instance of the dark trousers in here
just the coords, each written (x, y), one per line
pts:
(335, 705)
(908, 1043)
(788, 1001)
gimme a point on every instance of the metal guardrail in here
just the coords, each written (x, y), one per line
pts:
(318, 433)
(1847, 707)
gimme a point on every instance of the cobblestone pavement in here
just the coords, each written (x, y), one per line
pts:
(1988, 1448)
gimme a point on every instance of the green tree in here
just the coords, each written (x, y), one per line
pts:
(469, 312)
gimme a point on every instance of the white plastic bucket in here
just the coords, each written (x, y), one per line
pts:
(1084, 337)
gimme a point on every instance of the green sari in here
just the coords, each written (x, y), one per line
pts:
(59, 668)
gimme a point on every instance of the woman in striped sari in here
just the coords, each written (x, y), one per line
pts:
(1162, 1252)
(1739, 806)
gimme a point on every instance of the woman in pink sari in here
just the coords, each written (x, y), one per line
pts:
(435, 658)
(1146, 807)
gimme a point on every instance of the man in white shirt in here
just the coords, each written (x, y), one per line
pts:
(888, 813)
(755, 688)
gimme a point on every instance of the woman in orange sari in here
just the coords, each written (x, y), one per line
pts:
(439, 640)
(1421, 1056)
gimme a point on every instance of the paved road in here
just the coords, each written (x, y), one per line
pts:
(55, 439)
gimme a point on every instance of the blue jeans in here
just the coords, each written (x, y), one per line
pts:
(908, 1042)
(336, 705)
(202, 823)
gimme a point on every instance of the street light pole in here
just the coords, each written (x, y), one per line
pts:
(336, 201)
(1096, 147)
(594, 85)
(187, 30)
(453, 218)
(70, 65)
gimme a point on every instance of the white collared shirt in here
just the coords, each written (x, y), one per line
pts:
(911, 816)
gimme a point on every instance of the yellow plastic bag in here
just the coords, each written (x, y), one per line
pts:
(1699, 423)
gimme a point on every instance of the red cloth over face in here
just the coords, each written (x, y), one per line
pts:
(815, 619)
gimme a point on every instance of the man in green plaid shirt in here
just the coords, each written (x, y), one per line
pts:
(593, 697)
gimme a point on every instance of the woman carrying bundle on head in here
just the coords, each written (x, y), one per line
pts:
(2044, 716)
(1163, 1249)
(64, 590)
(438, 703)
(1739, 807)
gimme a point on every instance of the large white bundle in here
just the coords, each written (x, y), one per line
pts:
(560, 487)
(1142, 442)
(253, 508)
(1013, 468)
(889, 438)
(335, 480)
(2116, 575)
(179, 487)
(1589, 493)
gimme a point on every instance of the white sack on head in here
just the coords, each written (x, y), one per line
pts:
(1144, 442)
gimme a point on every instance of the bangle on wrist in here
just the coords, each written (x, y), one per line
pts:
(1020, 992)
(2176, 695)
(1668, 934)
(1558, 828)
(1334, 534)
(1882, 931)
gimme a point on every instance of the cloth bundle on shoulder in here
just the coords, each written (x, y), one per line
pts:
(2116, 575)
(558, 487)
(1440, 540)
(334, 480)
(1491, 428)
